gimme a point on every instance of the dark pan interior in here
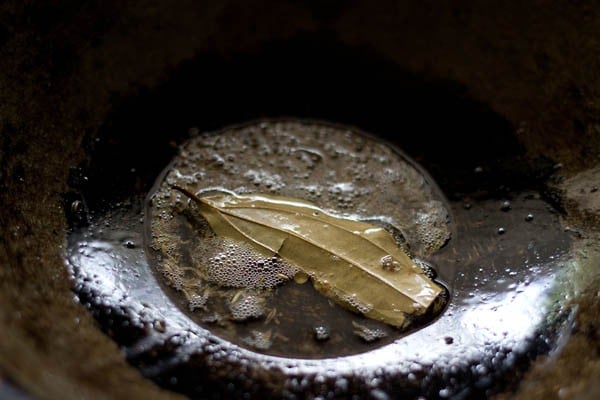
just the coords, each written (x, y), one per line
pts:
(95, 99)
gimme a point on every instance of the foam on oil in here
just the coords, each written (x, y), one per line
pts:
(339, 170)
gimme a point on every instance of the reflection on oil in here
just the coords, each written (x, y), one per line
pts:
(486, 331)
(504, 310)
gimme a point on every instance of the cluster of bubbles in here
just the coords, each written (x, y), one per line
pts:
(427, 269)
(166, 244)
(356, 304)
(312, 192)
(197, 301)
(367, 333)
(268, 181)
(240, 266)
(173, 275)
(435, 217)
(321, 332)
(259, 340)
(345, 194)
(246, 305)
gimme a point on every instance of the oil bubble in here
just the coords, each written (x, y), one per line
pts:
(321, 333)
(529, 217)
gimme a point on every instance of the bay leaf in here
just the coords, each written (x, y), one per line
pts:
(356, 264)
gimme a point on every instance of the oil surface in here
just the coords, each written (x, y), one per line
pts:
(339, 170)
(506, 262)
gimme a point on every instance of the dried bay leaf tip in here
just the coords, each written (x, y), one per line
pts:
(356, 264)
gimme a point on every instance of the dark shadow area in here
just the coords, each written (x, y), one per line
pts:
(314, 77)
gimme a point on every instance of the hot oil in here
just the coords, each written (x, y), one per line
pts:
(509, 266)
(339, 170)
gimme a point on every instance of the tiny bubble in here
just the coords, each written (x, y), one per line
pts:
(505, 205)
(529, 217)
(501, 231)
